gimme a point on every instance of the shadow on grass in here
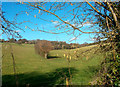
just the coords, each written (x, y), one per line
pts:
(93, 70)
(34, 79)
(52, 57)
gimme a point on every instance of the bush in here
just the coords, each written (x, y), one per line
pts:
(43, 47)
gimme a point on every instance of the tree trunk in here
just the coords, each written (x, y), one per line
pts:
(46, 55)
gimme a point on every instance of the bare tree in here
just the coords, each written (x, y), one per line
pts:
(43, 47)
(103, 18)
(74, 20)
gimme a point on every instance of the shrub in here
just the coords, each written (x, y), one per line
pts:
(43, 47)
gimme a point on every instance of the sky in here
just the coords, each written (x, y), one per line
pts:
(58, 0)
(12, 8)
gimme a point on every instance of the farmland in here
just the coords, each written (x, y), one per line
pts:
(34, 70)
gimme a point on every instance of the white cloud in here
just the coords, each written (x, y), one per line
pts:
(82, 25)
(74, 38)
(18, 31)
(93, 39)
(67, 21)
(88, 24)
(76, 25)
(55, 22)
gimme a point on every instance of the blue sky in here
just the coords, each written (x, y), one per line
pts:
(12, 8)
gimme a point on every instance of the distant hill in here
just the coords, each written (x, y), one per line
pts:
(56, 44)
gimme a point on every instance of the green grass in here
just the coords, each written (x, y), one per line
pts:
(35, 70)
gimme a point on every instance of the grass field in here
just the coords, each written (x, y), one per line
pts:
(34, 70)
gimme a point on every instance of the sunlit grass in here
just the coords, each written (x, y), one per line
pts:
(27, 61)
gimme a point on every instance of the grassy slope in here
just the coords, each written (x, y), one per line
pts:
(35, 70)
